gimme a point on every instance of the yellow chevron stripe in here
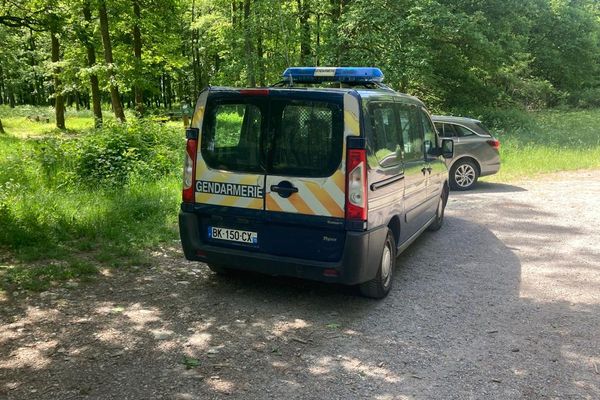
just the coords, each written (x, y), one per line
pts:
(203, 198)
(351, 123)
(229, 201)
(272, 204)
(198, 116)
(340, 180)
(326, 200)
(300, 205)
(256, 204)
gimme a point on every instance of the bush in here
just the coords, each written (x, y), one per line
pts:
(111, 155)
(587, 98)
(501, 120)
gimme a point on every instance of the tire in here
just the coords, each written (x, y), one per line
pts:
(439, 214)
(379, 287)
(463, 175)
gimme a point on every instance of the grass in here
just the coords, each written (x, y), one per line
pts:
(57, 224)
(547, 141)
(77, 201)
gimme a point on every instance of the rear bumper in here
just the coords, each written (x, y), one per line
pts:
(359, 262)
(490, 169)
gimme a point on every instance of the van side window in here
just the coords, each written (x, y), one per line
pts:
(412, 141)
(430, 138)
(385, 141)
(231, 137)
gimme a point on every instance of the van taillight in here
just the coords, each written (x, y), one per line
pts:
(495, 143)
(356, 185)
(189, 171)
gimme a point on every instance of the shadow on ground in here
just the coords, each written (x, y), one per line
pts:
(490, 187)
(455, 326)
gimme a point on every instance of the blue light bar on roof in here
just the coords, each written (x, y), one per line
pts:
(335, 74)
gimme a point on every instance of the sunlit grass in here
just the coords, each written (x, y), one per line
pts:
(551, 141)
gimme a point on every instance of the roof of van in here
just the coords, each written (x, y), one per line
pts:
(362, 92)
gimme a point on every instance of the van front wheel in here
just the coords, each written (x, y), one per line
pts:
(379, 287)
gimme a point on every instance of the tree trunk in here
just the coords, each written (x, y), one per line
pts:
(32, 63)
(249, 53)
(11, 99)
(137, 52)
(108, 57)
(234, 13)
(1, 127)
(337, 9)
(303, 15)
(2, 88)
(91, 59)
(59, 102)
(318, 47)
(260, 52)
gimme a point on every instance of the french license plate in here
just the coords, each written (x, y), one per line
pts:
(232, 235)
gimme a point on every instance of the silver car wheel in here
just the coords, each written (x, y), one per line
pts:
(464, 175)
(386, 265)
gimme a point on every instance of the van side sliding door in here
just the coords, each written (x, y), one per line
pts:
(415, 170)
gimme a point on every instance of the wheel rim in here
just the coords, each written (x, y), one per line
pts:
(386, 265)
(464, 175)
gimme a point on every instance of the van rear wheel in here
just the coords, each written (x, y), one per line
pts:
(379, 287)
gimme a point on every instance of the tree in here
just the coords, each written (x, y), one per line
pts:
(305, 45)
(108, 58)
(59, 102)
(86, 39)
(41, 17)
(137, 50)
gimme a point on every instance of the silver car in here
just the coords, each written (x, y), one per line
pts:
(475, 150)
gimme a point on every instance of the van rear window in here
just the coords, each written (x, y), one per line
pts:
(231, 137)
(306, 139)
(284, 137)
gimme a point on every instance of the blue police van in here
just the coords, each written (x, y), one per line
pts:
(327, 175)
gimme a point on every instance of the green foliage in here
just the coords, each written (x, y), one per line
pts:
(228, 129)
(49, 212)
(114, 153)
(190, 362)
(452, 54)
(586, 98)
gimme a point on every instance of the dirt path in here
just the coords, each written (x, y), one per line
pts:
(502, 303)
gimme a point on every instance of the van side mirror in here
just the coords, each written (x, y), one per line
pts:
(447, 148)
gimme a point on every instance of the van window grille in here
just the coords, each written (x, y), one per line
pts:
(308, 139)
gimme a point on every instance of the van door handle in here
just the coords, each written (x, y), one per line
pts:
(284, 189)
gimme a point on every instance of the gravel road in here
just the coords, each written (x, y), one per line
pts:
(502, 303)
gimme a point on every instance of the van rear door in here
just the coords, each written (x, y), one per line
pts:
(305, 181)
(230, 172)
(270, 171)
